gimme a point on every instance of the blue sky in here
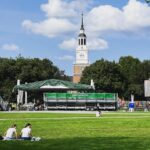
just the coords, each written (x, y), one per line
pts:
(49, 29)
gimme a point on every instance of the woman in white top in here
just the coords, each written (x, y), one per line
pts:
(11, 133)
(26, 132)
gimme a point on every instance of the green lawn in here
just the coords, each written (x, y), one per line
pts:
(115, 131)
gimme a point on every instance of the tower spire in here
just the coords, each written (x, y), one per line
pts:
(82, 25)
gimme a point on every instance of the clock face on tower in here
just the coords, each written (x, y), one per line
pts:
(81, 55)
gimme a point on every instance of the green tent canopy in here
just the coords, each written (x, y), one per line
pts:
(52, 84)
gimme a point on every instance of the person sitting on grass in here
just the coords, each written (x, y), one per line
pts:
(26, 132)
(11, 133)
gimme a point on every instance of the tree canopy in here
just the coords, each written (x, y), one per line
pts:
(124, 77)
(27, 70)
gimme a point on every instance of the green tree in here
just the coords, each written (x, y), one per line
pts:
(106, 75)
(27, 70)
(131, 69)
(125, 77)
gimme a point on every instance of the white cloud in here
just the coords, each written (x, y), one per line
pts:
(69, 44)
(60, 14)
(58, 8)
(10, 47)
(62, 8)
(92, 44)
(63, 18)
(97, 44)
(66, 58)
(136, 15)
(51, 27)
(132, 17)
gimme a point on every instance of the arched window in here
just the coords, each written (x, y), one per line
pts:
(84, 41)
(81, 41)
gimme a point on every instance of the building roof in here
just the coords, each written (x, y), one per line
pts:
(82, 35)
(52, 84)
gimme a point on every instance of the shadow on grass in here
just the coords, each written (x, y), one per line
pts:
(80, 143)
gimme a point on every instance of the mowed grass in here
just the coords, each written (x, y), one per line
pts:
(59, 131)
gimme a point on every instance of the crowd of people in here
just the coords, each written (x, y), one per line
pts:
(138, 105)
(25, 134)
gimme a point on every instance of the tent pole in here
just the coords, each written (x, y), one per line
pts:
(26, 96)
(18, 96)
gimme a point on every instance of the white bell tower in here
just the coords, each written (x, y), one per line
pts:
(81, 54)
(82, 51)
